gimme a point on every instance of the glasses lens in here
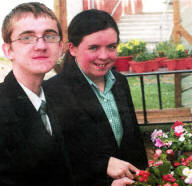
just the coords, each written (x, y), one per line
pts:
(27, 39)
(51, 38)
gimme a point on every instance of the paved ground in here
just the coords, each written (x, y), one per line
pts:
(5, 68)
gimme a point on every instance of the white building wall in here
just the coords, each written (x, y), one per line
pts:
(73, 8)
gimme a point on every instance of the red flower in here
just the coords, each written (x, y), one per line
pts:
(143, 176)
(150, 163)
(178, 134)
(176, 164)
(189, 159)
(169, 177)
(175, 184)
(177, 123)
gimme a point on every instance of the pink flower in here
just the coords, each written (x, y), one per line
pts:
(158, 152)
(160, 162)
(169, 143)
(170, 151)
(167, 184)
(159, 143)
(179, 129)
(156, 133)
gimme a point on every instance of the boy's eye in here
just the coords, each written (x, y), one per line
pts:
(27, 37)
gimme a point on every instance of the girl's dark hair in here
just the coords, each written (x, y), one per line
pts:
(88, 22)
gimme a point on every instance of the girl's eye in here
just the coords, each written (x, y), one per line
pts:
(112, 47)
(93, 47)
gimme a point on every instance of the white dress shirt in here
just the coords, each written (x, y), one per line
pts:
(36, 100)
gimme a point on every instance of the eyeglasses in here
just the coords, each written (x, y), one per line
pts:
(33, 39)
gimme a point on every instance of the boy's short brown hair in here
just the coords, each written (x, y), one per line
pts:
(35, 8)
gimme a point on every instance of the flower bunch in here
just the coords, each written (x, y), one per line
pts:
(131, 47)
(179, 138)
(176, 51)
(171, 164)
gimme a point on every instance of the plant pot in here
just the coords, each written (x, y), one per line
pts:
(181, 64)
(171, 64)
(188, 63)
(152, 65)
(162, 62)
(122, 63)
(138, 67)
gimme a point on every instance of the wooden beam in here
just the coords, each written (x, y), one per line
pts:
(176, 21)
(185, 34)
(57, 8)
(63, 20)
(61, 13)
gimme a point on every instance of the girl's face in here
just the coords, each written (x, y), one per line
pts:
(96, 54)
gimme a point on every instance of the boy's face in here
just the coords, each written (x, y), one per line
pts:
(33, 58)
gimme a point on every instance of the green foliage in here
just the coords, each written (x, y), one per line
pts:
(131, 47)
(144, 56)
(176, 51)
(162, 47)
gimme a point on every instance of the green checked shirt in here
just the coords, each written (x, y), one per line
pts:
(108, 103)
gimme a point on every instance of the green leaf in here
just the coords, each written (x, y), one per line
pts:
(165, 168)
(179, 170)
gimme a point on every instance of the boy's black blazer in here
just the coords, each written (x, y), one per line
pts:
(29, 156)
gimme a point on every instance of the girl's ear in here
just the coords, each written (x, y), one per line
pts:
(72, 49)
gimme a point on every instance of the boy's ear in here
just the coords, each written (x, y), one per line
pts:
(7, 51)
(72, 49)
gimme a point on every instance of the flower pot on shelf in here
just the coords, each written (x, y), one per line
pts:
(138, 67)
(171, 64)
(162, 62)
(188, 63)
(122, 63)
(152, 65)
(181, 64)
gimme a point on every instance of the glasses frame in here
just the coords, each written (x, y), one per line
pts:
(36, 39)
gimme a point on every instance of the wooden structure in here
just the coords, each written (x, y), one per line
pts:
(165, 115)
(178, 32)
(61, 13)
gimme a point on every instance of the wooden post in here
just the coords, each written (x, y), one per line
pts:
(176, 39)
(176, 15)
(61, 13)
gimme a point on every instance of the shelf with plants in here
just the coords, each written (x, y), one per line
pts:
(144, 62)
(125, 52)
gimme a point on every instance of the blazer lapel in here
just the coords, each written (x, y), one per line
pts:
(25, 113)
(87, 99)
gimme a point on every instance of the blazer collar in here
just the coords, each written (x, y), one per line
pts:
(86, 97)
(18, 98)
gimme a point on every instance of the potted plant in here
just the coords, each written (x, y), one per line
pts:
(122, 61)
(189, 59)
(125, 52)
(144, 62)
(161, 48)
(176, 56)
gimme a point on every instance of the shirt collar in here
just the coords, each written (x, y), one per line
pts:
(109, 80)
(34, 98)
